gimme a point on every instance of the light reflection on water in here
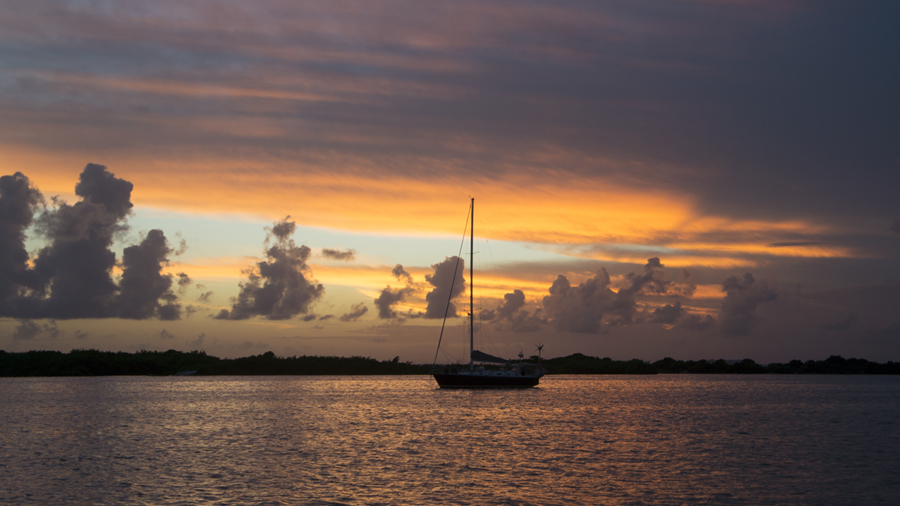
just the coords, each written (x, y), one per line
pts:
(670, 439)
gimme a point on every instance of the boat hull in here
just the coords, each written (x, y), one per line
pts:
(451, 380)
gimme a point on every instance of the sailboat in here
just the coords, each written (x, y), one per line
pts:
(502, 373)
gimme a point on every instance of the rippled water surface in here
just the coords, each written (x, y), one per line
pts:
(670, 439)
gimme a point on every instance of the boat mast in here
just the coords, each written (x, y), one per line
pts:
(472, 289)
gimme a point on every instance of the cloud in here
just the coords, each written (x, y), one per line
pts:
(743, 295)
(197, 343)
(143, 291)
(512, 303)
(895, 227)
(18, 203)
(204, 297)
(29, 329)
(510, 310)
(276, 288)
(696, 322)
(165, 334)
(334, 254)
(72, 276)
(579, 309)
(587, 307)
(668, 313)
(400, 273)
(389, 297)
(356, 312)
(448, 284)
(184, 281)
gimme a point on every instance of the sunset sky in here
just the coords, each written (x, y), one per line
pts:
(684, 178)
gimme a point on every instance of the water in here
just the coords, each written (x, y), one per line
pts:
(671, 439)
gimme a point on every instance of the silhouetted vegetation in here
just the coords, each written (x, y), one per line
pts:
(161, 363)
(156, 363)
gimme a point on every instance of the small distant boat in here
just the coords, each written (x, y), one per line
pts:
(505, 373)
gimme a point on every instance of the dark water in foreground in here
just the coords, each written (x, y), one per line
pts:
(677, 439)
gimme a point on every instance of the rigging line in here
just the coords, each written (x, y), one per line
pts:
(452, 282)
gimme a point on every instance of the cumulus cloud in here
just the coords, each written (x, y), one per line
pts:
(355, 313)
(276, 288)
(18, 203)
(71, 277)
(512, 303)
(448, 284)
(389, 297)
(510, 310)
(587, 307)
(144, 291)
(346, 255)
(165, 334)
(743, 295)
(580, 308)
(668, 313)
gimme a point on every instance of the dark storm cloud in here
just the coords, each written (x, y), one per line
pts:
(277, 288)
(788, 89)
(448, 284)
(355, 313)
(346, 255)
(743, 295)
(72, 276)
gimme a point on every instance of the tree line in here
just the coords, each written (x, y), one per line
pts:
(81, 362)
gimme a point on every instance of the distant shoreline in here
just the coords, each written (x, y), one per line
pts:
(171, 362)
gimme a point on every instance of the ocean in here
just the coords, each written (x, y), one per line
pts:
(617, 440)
